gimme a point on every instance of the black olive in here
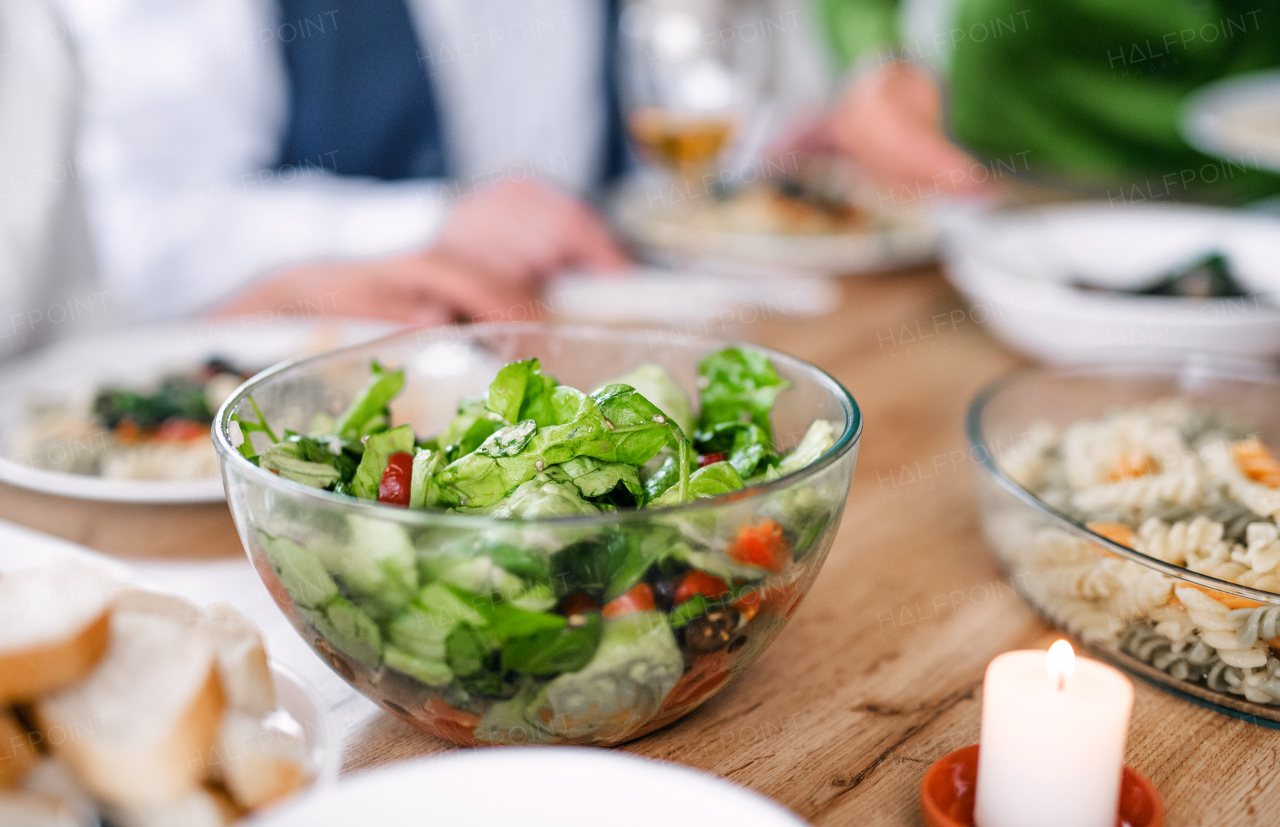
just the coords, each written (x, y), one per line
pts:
(712, 631)
(738, 643)
(664, 593)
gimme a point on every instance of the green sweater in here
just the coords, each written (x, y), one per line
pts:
(1086, 93)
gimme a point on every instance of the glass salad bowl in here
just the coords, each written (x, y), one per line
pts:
(1136, 506)
(482, 624)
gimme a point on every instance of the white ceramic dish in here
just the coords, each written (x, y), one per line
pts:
(1237, 119)
(76, 368)
(532, 787)
(903, 241)
(1016, 271)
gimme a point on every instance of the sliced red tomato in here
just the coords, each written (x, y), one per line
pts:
(394, 488)
(181, 430)
(696, 582)
(762, 545)
(711, 458)
(639, 599)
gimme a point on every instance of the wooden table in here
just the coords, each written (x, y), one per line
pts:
(880, 672)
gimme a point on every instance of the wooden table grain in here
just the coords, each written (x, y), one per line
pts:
(880, 672)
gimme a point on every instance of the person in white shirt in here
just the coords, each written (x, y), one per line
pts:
(420, 160)
(47, 282)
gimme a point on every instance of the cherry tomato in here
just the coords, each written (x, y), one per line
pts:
(762, 545)
(710, 459)
(394, 488)
(639, 599)
(696, 582)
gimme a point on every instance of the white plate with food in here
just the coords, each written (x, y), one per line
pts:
(1237, 119)
(125, 416)
(134, 705)
(770, 229)
(1091, 282)
(532, 787)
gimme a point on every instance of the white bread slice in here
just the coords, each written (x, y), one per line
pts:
(242, 658)
(54, 627)
(169, 606)
(242, 661)
(34, 810)
(201, 807)
(138, 730)
(259, 763)
(17, 751)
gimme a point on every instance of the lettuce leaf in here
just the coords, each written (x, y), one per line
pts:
(371, 402)
(738, 387)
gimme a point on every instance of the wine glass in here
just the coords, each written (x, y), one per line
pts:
(693, 73)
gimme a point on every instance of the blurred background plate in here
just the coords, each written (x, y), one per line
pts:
(76, 368)
(533, 787)
(1237, 119)
(706, 236)
(1020, 273)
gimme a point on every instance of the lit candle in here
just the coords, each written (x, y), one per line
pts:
(1053, 733)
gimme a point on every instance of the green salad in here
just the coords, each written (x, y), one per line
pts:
(555, 631)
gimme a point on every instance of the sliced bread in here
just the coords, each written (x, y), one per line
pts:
(242, 661)
(137, 729)
(242, 658)
(54, 627)
(171, 606)
(259, 763)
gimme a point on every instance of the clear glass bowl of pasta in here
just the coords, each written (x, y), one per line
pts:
(592, 626)
(1136, 506)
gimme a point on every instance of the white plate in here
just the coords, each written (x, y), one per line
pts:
(532, 787)
(906, 240)
(1237, 119)
(1016, 268)
(78, 367)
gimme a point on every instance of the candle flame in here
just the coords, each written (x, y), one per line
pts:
(1060, 662)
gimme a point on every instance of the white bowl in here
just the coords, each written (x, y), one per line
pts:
(1016, 270)
(532, 787)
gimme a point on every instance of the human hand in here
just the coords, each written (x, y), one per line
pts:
(889, 121)
(523, 232)
(419, 289)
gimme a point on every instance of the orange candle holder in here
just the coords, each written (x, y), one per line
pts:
(947, 793)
